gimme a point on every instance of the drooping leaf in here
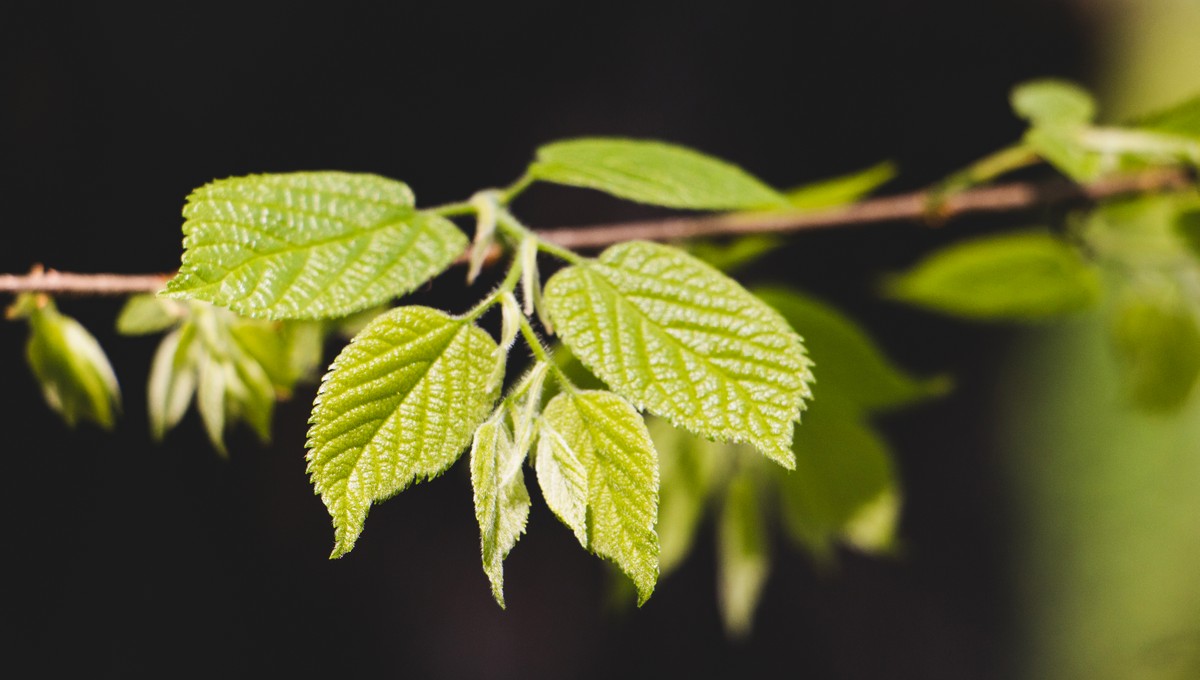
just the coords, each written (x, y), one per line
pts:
(288, 351)
(1157, 341)
(1052, 102)
(309, 245)
(172, 381)
(1026, 276)
(76, 378)
(501, 499)
(690, 468)
(398, 405)
(849, 361)
(599, 473)
(743, 555)
(677, 337)
(842, 190)
(652, 172)
(146, 314)
(844, 487)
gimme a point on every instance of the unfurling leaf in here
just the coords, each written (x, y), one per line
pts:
(653, 172)
(1051, 102)
(172, 381)
(501, 499)
(398, 405)
(743, 557)
(1013, 277)
(146, 314)
(677, 337)
(598, 472)
(76, 378)
(690, 468)
(309, 245)
(1157, 341)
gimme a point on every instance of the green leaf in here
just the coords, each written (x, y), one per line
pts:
(172, 381)
(146, 314)
(399, 404)
(309, 245)
(1064, 149)
(1143, 232)
(1157, 342)
(287, 351)
(501, 499)
(654, 173)
(598, 471)
(1183, 119)
(1053, 102)
(743, 555)
(1187, 225)
(735, 254)
(844, 487)
(677, 337)
(849, 361)
(1026, 276)
(690, 468)
(842, 190)
(76, 378)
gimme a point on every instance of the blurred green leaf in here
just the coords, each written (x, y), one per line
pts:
(743, 554)
(76, 378)
(848, 360)
(734, 254)
(1157, 341)
(1064, 149)
(1027, 276)
(1053, 102)
(1187, 225)
(842, 190)
(1182, 119)
(1141, 232)
(146, 314)
(652, 172)
(172, 382)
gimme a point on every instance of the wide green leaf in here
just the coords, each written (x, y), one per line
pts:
(684, 341)
(1157, 341)
(598, 471)
(652, 172)
(1026, 276)
(849, 360)
(399, 404)
(76, 378)
(1053, 102)
(501, 499)
(309, 245)
(743, 557)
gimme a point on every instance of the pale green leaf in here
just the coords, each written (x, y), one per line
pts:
(652, 172)
(1182, 119)
(848, 360)
(599, 473)
(844, 487)
(678, 338)
(842, 190)
(1157, 342)
(1064, 149)
(172, 381)
(501, 499)
(743, 557)
(1142, 232)
(735, 254)
(1025, 276)
(690, 468)
(309, 245)
(288, 351)
(212, 377)
(75, 376)
(1053, 102)
(145, 314)
(399, 404)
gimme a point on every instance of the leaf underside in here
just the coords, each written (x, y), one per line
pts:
(501, 499)
(684, 341)
(398, 405)
(309, 245)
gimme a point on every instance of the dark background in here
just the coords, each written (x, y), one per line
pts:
(125, 558)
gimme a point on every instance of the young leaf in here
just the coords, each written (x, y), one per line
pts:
(599, 473)
(743, 559)
(501, 499)
(654, 173)
(1183, 119)
(146, 314)
(1157, 341)
(1051, 102)
(849, 360)
(690, 468)
(735, 254)
(76, 378)
(309, 245)
(172, 381)
(677, 337)
(1013, 277)
(842, 190)
(398, 405)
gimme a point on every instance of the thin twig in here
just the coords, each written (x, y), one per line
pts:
(916, 206)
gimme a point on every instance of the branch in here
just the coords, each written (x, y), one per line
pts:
(919, 206)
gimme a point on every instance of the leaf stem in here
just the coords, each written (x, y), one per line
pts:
(509, 194)
(519, 232)
(508, 285)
